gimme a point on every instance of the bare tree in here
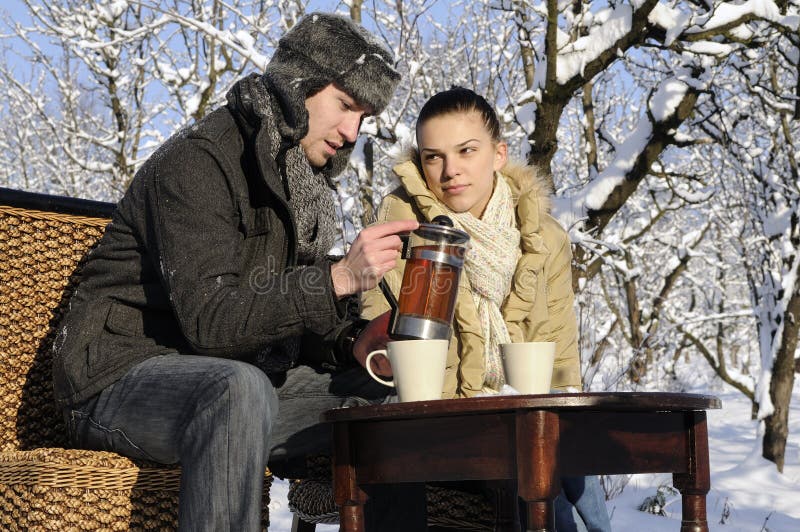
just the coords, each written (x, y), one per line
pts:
(114, 80)
(759, 157)
(673, 53)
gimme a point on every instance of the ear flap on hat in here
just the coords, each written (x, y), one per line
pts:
(291, 78)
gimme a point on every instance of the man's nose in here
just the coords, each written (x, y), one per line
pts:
(349, 127)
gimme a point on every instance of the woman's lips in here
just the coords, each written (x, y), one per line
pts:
(455, 189)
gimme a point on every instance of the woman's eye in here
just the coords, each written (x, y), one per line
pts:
(468, 149)
(431, 157)
(345, 106)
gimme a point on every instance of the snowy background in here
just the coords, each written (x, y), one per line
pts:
(668, 129)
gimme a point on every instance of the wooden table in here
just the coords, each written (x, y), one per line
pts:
(533, 439)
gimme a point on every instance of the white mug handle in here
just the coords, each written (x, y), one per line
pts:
(368, 364)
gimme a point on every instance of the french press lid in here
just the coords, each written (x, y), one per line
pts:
(441, 228)
(439, 232)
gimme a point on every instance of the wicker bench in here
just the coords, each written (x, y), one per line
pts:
(44, 486)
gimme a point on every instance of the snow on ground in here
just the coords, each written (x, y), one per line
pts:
(744, 487)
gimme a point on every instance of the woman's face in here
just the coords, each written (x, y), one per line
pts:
(459, 159)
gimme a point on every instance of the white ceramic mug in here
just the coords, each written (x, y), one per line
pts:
(418, 367)
(529, 366)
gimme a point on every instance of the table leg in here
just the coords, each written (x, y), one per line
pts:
(694, 484)
(348, 496)
(537, 436)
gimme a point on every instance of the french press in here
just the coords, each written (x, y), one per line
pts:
(434, 255)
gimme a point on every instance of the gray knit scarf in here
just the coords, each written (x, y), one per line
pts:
(309, 191)
(310, 199)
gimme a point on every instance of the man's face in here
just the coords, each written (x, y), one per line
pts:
(334, 118)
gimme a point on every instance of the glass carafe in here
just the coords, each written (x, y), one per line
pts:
(434, 260)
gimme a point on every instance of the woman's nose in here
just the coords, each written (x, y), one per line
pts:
(451, 168)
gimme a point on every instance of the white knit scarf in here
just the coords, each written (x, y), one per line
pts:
(489, 266)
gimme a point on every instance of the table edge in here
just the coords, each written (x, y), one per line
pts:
(604, 401)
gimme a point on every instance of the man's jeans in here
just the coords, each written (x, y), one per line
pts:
(581, 506)
(219, 419)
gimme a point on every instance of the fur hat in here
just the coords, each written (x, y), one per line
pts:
(321, 49)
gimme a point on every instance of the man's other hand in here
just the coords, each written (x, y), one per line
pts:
(374, 336)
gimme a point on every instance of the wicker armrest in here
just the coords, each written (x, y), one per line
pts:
(75, 468)
(61, 489)
(78, 490)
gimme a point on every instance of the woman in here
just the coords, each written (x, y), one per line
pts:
(517, 281)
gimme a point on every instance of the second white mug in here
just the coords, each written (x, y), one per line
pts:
(418, 367)
(529, 366)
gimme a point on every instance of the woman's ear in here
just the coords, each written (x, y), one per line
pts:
(500, 155)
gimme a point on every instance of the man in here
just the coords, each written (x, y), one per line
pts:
(215, 263)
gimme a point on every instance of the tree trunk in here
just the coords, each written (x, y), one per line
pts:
(543, 139)
(365, 188)
(638, 367)
(355, 10)
(776, 426)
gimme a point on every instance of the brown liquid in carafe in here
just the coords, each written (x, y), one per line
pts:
(429, 288)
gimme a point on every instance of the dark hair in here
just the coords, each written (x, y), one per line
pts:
(460, 100)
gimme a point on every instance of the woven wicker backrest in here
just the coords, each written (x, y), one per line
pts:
(41, 254)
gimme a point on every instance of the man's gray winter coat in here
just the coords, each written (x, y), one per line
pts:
(205, 220)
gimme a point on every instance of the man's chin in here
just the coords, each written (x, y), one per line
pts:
(319, 161)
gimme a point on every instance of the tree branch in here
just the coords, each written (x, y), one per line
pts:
(660, 138)
(719, 370)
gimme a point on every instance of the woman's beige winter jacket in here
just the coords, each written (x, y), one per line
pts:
(540, 305)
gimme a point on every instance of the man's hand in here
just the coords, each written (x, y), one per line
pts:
(372, 255)
(374, 336)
